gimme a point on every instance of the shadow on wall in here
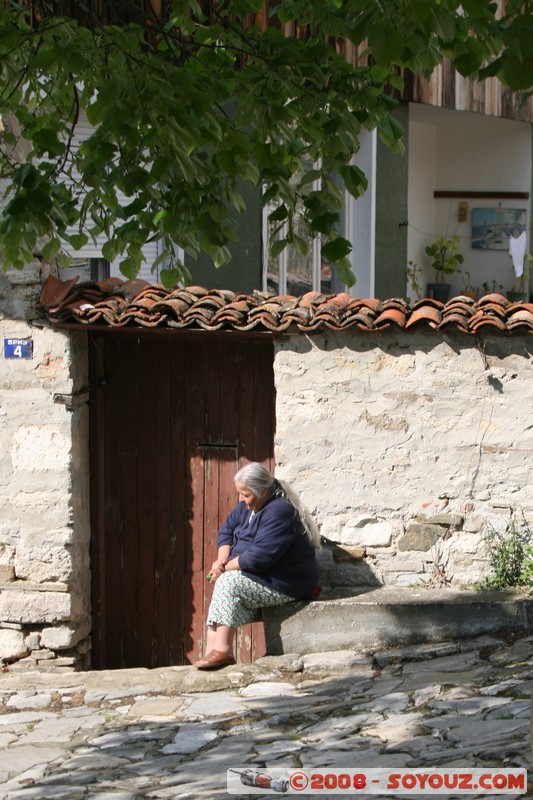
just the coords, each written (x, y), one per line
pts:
(344, 571)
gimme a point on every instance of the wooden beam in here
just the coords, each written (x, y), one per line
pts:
(486, 195)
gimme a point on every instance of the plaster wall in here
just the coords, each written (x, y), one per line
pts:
(407, 449)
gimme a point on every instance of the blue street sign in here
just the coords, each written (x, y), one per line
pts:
(18, 348)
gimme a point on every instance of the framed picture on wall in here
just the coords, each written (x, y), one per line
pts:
(491, 227)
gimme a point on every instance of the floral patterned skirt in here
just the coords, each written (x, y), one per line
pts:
(238, 600)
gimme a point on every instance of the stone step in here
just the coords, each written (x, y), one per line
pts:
(391, 616)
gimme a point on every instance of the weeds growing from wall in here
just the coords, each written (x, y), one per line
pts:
(510, 557)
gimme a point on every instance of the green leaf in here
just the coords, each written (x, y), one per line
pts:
(518, 73)
(470, 59)
(64, 260)
(160, 216)
(387, 43)
(183, 119)
(325, 223)
(345, 272)
(354, 179)
(50, 249)
(336, 249)
(299, 244)
(78, 240)
(279, 214)
(391, 133)
(221, 256)
(443, 23)
(278, 247)
(170, 277)
(129, 267)
(110, 250)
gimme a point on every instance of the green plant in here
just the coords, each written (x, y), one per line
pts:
(522, 284)
(465, 277)
(495, 287)
(510, 556)
(527, 569)
(413, 272)
(445, 256)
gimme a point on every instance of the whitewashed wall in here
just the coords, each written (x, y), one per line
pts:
(406, 448)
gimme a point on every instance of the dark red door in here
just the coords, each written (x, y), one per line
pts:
(172, 419)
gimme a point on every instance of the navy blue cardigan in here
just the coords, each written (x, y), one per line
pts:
(273, 547)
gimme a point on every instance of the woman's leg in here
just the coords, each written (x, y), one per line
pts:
(236, 601)
(220, 637)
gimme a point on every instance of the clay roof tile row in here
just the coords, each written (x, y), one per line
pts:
(117, 303)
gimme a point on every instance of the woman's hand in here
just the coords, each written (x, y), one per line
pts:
(217, 568)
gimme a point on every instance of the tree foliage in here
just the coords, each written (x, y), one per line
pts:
(188, 105)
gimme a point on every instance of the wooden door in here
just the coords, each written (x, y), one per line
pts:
(172, 420)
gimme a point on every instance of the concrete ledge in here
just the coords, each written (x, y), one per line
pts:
(392, 616)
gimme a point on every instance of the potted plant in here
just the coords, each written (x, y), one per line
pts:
(446, 259)
(468, 289)
(496, 287)
(520, 292)
(413, 272)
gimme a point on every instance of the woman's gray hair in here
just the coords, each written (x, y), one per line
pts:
(261, 481)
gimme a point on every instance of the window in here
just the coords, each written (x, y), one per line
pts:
(293, 272)
(91, 253)
(87, 269)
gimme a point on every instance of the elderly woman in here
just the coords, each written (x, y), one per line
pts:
(266, 557)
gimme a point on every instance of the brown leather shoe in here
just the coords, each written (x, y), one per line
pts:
(215, 659)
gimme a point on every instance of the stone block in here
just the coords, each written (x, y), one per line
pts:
(367, 532)
(7, 573)
(43, 561)
(34, 607)
(64, 636)
(49, 508)
(344, 552)
(36, 448)
(448, 520)
(33, 640)
(12, 645)
(9, 536)
(420, 536)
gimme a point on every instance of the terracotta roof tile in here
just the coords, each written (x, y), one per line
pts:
(522, 317)
(428, 314)
(117, 303)
(391, 315)
(493, 297)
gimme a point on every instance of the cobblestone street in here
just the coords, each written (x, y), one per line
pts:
(174, 732)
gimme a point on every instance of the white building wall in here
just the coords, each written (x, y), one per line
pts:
(465, 152)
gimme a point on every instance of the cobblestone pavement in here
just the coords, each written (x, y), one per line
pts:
(174, 732)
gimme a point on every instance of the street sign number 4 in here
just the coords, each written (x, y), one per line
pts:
(18, 348)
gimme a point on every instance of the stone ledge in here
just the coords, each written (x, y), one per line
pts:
(28, 586)
(391, 616)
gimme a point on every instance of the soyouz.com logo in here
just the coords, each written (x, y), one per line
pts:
(353, 782)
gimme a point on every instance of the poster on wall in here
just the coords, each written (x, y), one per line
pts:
(491, 227)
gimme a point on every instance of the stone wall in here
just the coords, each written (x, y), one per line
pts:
(44, 480)
(407, 448)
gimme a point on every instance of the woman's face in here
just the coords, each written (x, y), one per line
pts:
(253, 501)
